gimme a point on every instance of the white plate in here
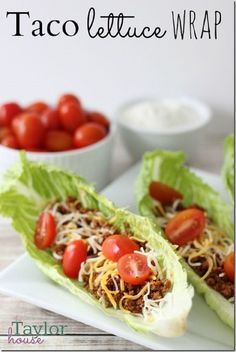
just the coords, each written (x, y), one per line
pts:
(24, 280)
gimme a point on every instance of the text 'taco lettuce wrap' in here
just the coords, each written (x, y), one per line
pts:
(28, 187)
(228, 166)
(167, 167)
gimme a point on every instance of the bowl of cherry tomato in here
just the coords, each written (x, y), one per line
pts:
(65, 135)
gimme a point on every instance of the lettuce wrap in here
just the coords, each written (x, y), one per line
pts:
(228, 166)
(168, 167)
(27, 189)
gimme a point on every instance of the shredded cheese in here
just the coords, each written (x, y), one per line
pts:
(122, 285)
(134, 297)
(113, 277)
(108, 292)
(91, 280)
(210, 267)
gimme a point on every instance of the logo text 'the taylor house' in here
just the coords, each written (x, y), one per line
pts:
(20, 333)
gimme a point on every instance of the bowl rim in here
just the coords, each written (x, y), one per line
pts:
(72, 152)
(205, 111)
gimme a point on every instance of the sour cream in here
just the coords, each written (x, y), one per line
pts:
(168, 115)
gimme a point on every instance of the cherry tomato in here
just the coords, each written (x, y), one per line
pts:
(133, 268)
(99, 118)
(185, 226)
(56, 141)
(38, 107)
(10, 141)
(229, 266)
(71, 116)
(163, 193)
(7, 113)
(115, 246)
(50, 119)
(29, 130)
(15, 123)
(75, 254)
(4, 132)
(45, 231)
(89, 133)
(68, 98)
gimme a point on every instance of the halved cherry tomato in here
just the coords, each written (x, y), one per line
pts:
(7, 113)
(56, 141)
(94, 116)
(68, 98)
(4, 132)
(50, 119)
(29, 130)
(185, 226)
(88, 134)
(163, 193)
(38, 107)
(133, 268)
(45, 231)
(10, 141)
(71, 116)
(115, 246)
(229, 266)
(75, 254)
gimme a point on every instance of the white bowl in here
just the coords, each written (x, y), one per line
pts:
(138, 140)
(92, 162)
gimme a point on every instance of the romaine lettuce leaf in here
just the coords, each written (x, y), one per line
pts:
(228, 166)
(29, 186)
(168, 167)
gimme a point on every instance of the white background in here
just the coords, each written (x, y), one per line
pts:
(109, 72)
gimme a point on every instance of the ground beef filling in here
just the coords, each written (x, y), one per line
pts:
(217, 279)
(158, 289)
(73, 205)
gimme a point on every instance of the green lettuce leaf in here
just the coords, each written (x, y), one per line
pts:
(29, 186)
(168, 167)
(228, 166)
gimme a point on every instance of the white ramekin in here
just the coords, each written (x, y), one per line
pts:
(138, 140)
(92, 162)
